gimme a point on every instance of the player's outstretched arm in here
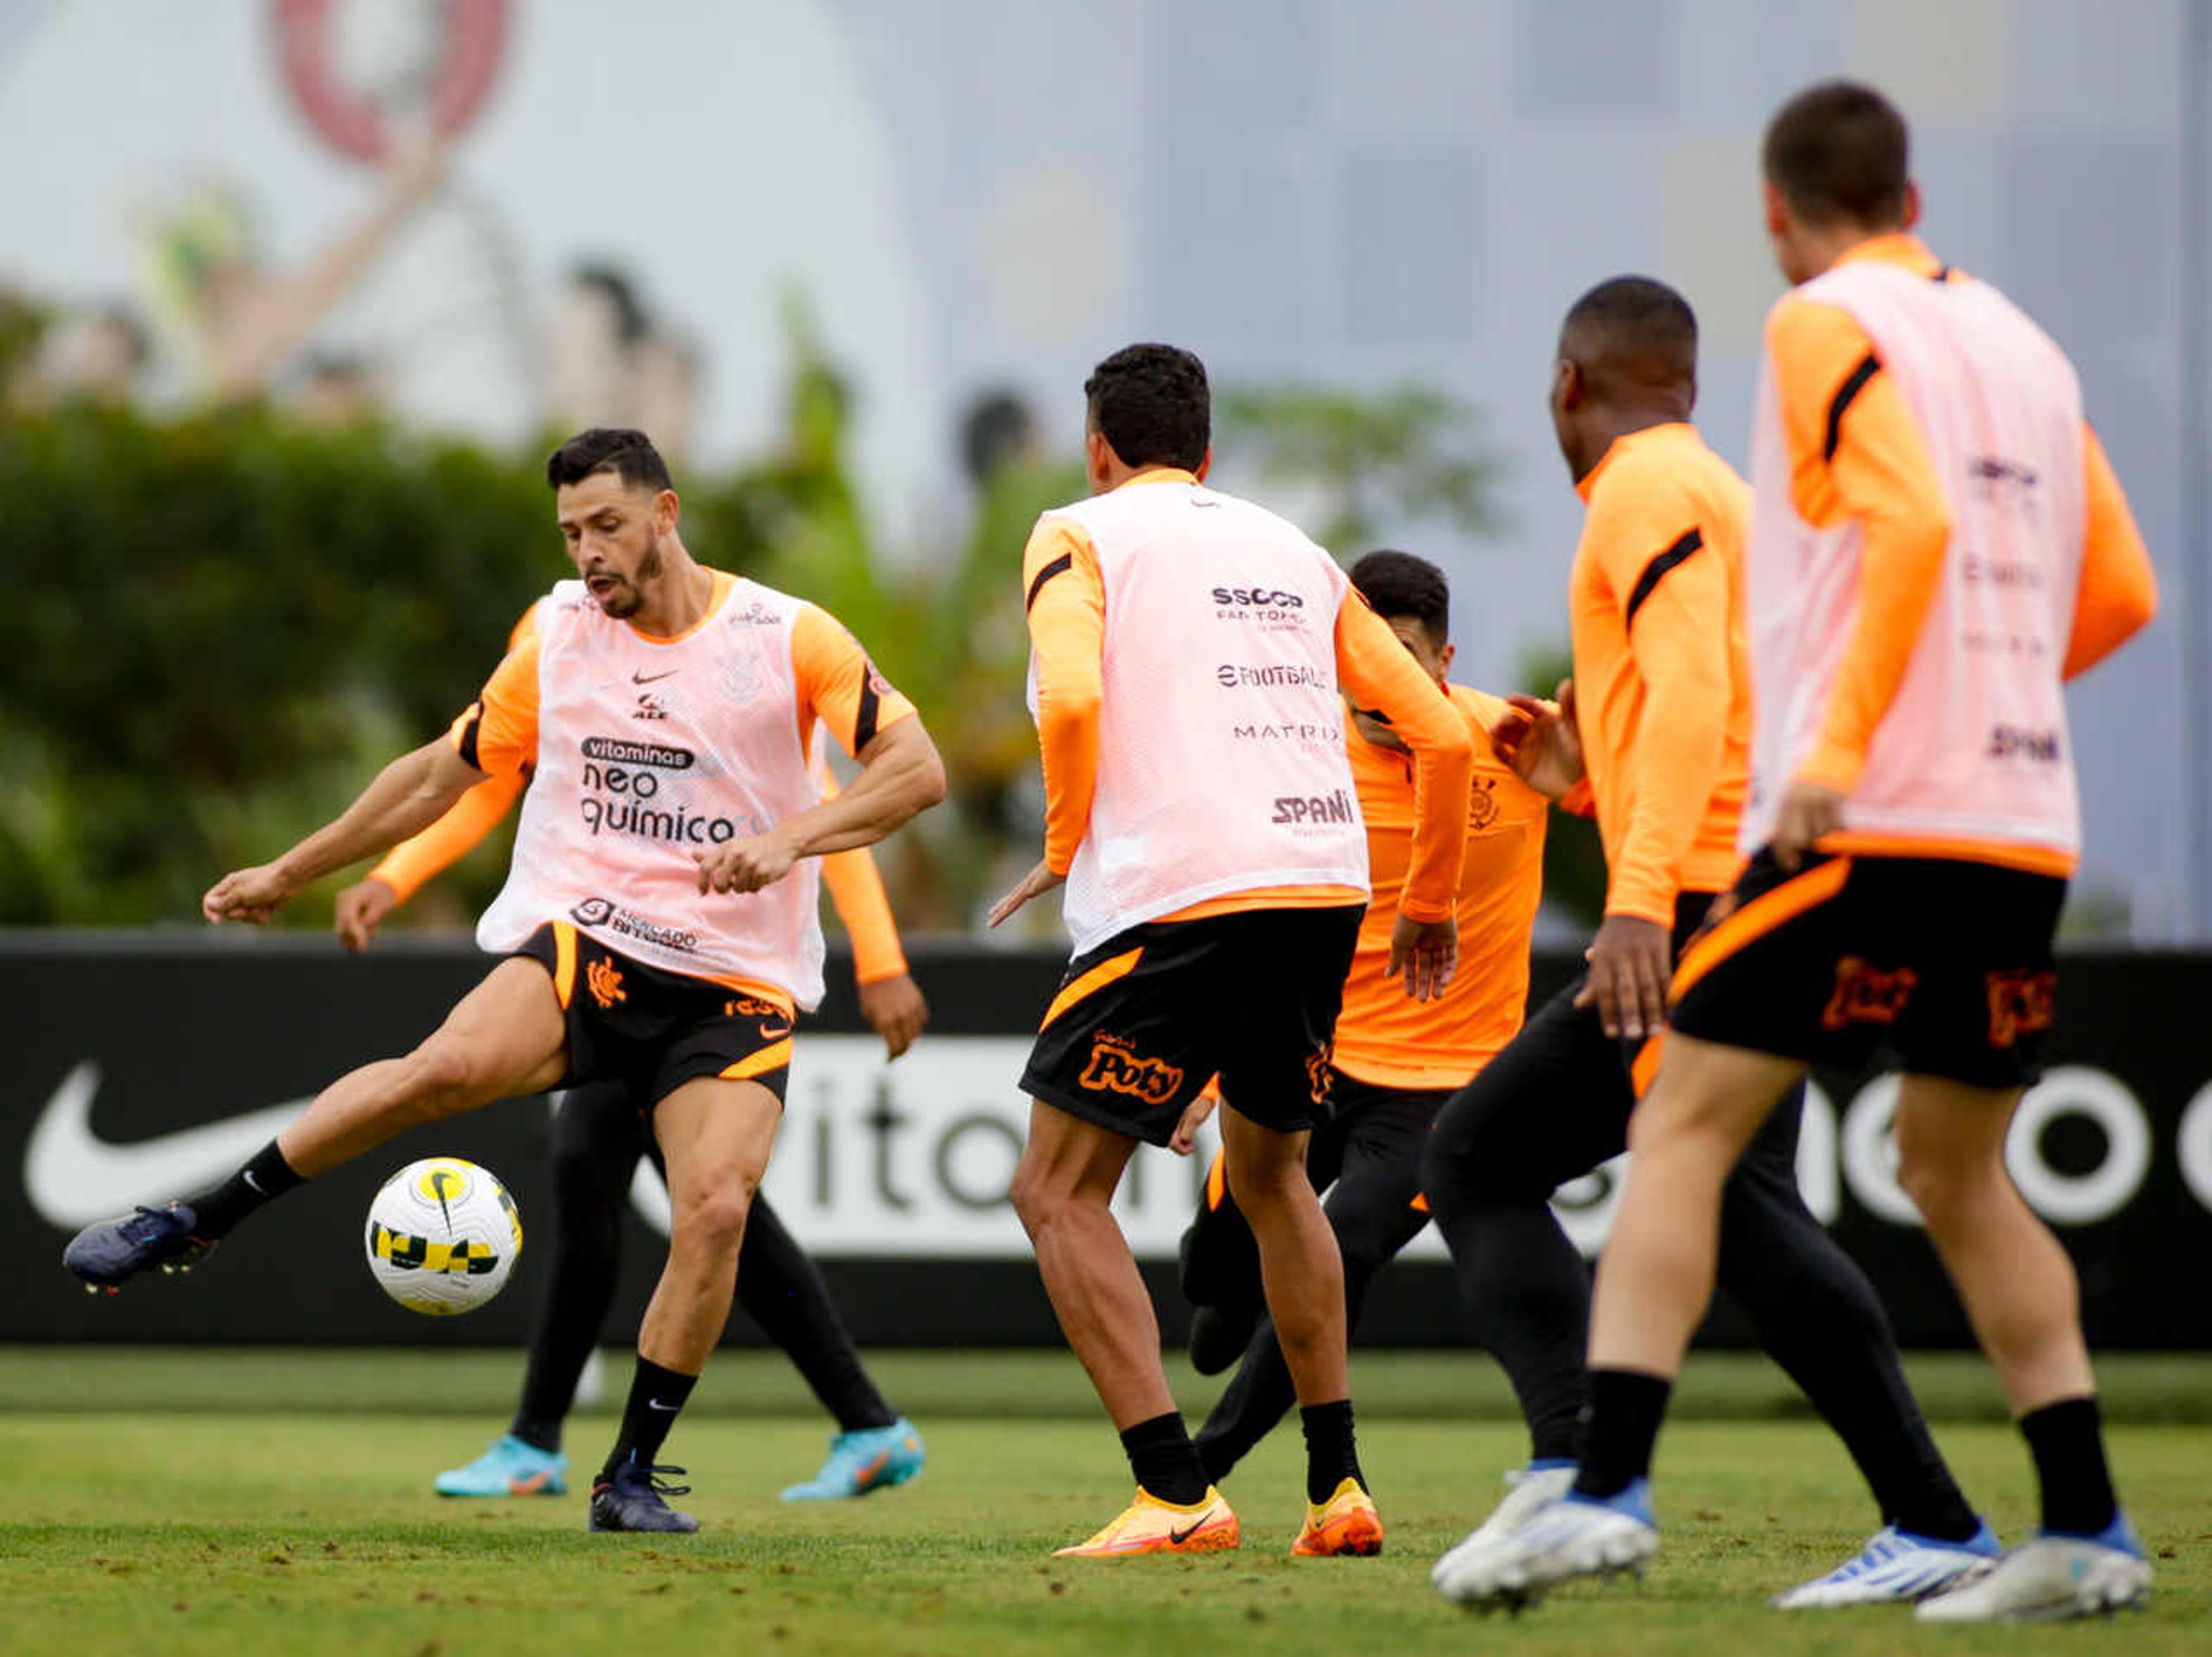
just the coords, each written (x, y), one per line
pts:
(409, 794)
(410, 865)
(901, 775)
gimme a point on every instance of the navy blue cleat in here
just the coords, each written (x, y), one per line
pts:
(631, 1501)
(107, 1255)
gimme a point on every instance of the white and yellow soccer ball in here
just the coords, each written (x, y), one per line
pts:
(443, 1236)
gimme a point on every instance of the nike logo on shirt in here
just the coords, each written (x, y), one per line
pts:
(636, 678)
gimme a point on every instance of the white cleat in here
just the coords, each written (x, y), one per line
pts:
(1897, 1566)
(1531, 1488)
(1569, 1538)
(2052, 1579)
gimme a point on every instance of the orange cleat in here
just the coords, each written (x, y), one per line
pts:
(1149, 1524)
(1345, 1524)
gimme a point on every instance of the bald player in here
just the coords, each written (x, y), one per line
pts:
(1939, 543)
(1661, 702)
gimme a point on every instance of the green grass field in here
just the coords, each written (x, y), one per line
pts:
(282, 1504)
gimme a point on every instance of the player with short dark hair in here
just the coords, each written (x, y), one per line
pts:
(1938, 542)
(664, 936)
(1187, 648)
(1660, 700)
(599, 1135)
(1396, 1061)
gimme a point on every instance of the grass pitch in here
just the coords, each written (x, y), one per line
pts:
(230, 1529)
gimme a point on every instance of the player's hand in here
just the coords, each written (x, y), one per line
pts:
(1035, 883)
(747, 865)
(248, 894)
(361, 909)
(1184, 1139)
(1540, 741)
(895, 1011)
(1809, 811)
(1630, 963)
(1425, 953)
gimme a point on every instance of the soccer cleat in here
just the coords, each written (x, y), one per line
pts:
(113, 1251)
(2051, 1579)
(1897, 1565)
(1346, 1524)
(1533, 1486)
(509, 1467)
(872, 1459)
(1218, 1336)
(1149, 1524)
(1574, 1536)
(631, 1501)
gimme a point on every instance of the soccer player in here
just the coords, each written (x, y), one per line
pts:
(1937, 542)
(1187, 651)
(599, 1134)
(1396, 1061)
(659, 917)
(1660, 700)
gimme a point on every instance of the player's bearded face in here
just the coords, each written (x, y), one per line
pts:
(620, 594)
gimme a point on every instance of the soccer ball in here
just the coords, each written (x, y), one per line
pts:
(443, 1235)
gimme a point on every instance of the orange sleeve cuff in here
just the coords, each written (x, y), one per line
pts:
(856, 892)
(408, 866)
(1580, 800)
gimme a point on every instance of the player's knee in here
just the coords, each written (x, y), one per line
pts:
(713, 1218)
(443, 1076)
(1038, 1199)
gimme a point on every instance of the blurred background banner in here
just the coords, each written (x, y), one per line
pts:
(299, 290)
(144, 1066)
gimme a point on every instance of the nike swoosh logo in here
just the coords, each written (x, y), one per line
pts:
(73, 1177)
(1177, 1539)
(636, 678)
(655, 1404)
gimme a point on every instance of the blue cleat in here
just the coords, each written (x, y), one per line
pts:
(107, 1254)
(874, 1458)
(509, 1467)
(631, 1501)
(1898, 1565)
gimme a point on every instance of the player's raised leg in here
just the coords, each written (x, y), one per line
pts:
(715, 1135)
(505, 1037)
(1063, 1190)
(2024, 1300)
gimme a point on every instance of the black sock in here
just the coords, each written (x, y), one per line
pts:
(1165, 1460)
(1332, 1454)
(655, 1396)
(267, 1177)
(2068, 1443)
(1627, 1407)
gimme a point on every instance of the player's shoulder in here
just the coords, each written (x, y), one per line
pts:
(1481, 710)
(1484, 713)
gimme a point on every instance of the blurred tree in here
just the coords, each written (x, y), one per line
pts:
(1408, 454)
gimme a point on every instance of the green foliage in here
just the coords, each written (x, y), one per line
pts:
(222, 625)
(1408, 454)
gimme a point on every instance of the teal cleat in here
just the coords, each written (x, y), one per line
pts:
(872, 1459)
(509, 1467)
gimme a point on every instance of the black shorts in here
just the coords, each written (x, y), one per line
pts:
(654, 1030)
(1141, 1022)
(1947, 964)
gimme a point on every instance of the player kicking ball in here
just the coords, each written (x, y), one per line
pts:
(664, 938)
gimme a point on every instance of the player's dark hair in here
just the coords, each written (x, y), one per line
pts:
(1150, 402)
(1837, 151)
(629, 454)
(1397, 584)
(631, 322)
(1638, 326)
